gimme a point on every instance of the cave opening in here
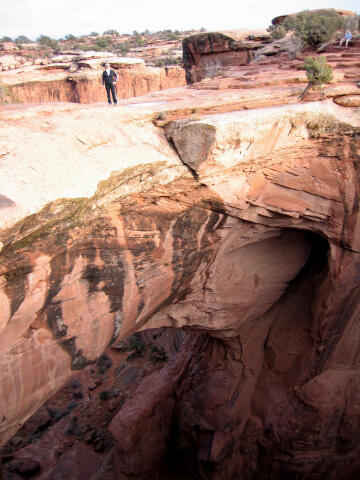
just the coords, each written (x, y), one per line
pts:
(189, 446)
(288, 339)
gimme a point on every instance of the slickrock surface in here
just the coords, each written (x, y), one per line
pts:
(231, 213)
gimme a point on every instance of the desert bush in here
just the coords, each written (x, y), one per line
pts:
(104, 395)
(139, 41)
(276, 31)
(102, 42)
(157, 354)
(111, 32)
(167, 61)
(172, 36)
(69, 36)
(318, 73)
(22, 39)
(48, 42)
(93, 34)
(314, 28)
(136, 346)
(122, 49)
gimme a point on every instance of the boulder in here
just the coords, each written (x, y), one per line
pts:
(348, 100)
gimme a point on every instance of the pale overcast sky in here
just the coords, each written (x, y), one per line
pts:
(56, 19)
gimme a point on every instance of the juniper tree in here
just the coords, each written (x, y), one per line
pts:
(318, 73)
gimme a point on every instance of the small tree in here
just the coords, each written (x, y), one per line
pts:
(6, 39)
(314, 28)
(318, 73)
(48, 42)
(69, 37)
(123, 49)
(103, 42)
(22, 39)
(111, 32)
(139, 41)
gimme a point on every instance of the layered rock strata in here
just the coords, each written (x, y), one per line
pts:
(78, 78)
(243, 229)
(205, 54)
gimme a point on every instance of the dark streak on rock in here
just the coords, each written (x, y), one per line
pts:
(113, 274)
(92, 275)
(78, 361)
(17, 285)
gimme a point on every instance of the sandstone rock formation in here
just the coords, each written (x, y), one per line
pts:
(239, 225)
(205, 54)
(74, 77)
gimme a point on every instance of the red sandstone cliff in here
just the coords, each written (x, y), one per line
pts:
(80, 81)
(241, 227)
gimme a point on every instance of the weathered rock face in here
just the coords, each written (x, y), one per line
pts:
(266, 398)
(207, 53)
(87, 87)
(78, 78)
(260, 251)
(251, 240)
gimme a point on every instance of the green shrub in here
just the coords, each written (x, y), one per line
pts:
(111, 32)
(136, 346)
(123, 49)
(318, 73)
(48, 42)
(22, 39)
(277, 31)
(104, 395)
(139, 41)
(167, 61)
(172, 36)
(314, 28)
(102, 42)
(6, 39)
(157, 355)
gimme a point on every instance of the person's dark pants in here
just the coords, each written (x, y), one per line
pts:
(111, 86)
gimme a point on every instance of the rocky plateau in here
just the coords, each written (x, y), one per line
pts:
(211, 230)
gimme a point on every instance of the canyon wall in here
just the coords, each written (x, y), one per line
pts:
(241, 228)
(87, 87)
(79, 80)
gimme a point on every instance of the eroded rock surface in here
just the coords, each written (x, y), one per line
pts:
(78, 78)
(205, 54)
(241, 228)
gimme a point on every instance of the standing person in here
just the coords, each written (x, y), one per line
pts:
(347, 38)
(109, 79)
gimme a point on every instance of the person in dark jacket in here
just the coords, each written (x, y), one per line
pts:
(109, 79)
